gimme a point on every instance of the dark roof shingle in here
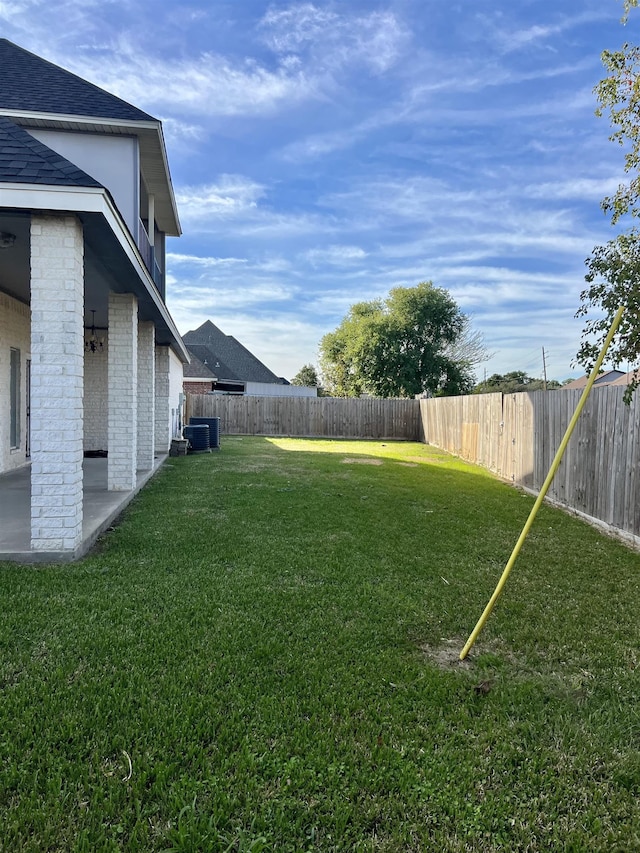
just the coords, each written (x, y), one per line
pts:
(226, 356)
(26, 160)
(32, 84)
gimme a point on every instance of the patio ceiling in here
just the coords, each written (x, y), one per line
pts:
(108, 267)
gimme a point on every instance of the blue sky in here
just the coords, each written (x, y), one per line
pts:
(324, 152)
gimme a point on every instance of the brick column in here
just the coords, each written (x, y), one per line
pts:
(123, 392)
(57, 354)
(163, 413)
(146, 394)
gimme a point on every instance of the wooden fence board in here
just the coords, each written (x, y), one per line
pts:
(518, 436)
(329, 417)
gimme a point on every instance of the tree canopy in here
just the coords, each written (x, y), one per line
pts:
(307, 375)
(401, 346)
(612, 276)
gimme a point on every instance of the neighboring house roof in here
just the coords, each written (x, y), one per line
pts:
(25, 160)
(606, 378)
(197, 369)
(32, 84)
(627, 378)
(227, 357)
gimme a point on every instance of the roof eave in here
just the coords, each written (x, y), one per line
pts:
(95, 200)
(152, 148)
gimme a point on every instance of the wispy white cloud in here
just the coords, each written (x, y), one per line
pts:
(205, 85)
(231, 196)
(335, 39)
(239, 205)
(220, 295)
(176, 259)
(335, 254)
(513, 37)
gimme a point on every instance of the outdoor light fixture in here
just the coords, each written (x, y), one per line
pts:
(6, 240)
(93, 343)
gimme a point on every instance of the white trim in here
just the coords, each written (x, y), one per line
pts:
(90, 200)
(57, 119)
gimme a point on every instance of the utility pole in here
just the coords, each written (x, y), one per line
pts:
(544, 371)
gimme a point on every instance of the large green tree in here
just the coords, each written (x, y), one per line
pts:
(613, 276)
(397, 347)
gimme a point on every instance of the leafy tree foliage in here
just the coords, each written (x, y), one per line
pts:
(306, 376)
(397, 347)
(613, 269)
(512, 383)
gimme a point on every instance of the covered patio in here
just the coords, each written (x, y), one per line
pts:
(100, 508)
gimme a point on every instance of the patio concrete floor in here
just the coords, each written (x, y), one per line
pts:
(100, 509)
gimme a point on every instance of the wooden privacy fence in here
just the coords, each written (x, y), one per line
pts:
(492, 430)
(322, 417)
(517, 435)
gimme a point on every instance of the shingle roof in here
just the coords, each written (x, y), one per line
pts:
(606, 378)
(26, 160)
(32, 84)
(198, 369)
(208, 358)
(627, 378)
(234, 360)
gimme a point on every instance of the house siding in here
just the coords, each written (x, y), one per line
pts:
(15, 332)
(111, 160)
(176, 394)
(271, 389)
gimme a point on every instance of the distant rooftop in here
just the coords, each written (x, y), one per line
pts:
(226, 357)
(609, 377)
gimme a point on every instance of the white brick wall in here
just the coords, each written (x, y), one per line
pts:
(163, 410)
(15, 331)
(96, 398)
(123, 391)
(57, 350)
(146, 395)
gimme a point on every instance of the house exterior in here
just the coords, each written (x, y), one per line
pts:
(90, 358)
(221, 364)
(608, 377)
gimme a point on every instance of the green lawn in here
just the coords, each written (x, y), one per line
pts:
(261, 657)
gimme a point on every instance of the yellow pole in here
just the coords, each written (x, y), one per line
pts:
(545, 486)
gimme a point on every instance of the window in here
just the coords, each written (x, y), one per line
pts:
(14, 392)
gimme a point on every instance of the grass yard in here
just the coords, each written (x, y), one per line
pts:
(261, 657)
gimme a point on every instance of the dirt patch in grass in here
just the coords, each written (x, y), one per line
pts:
(447, 655)
(349, 460)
